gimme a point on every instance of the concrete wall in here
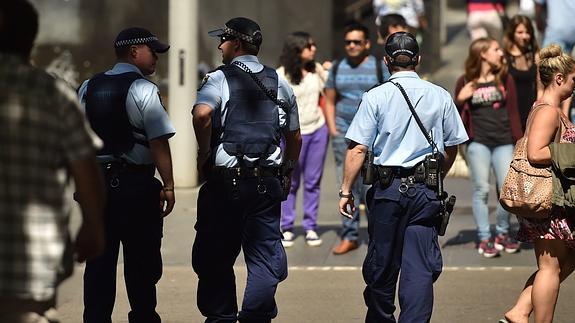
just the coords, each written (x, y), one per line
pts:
(277, 18)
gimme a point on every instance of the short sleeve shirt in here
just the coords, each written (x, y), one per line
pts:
(145, 111)
(386, 126)
(42, 131)
(350, 85)
(491, 125)
(214, 92)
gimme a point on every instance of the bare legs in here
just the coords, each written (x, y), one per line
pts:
(556, 262)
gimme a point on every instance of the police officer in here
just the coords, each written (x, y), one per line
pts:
(241, 111)
(125, 110)
(404, 210)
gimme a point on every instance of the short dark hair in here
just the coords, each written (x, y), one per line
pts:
(390, 20)
(122, 52)
(250, 48)
(18, 27)
(353, 26)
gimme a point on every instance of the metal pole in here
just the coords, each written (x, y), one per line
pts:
(183, 78)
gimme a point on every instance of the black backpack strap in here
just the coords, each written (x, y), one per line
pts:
(333, 71)
(379, 70)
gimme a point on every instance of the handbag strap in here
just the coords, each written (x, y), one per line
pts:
(415, 116)
(562, 121)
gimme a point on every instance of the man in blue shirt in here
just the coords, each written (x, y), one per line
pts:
(125, 110)
(404, 210)
(347, 81)
(239, 114)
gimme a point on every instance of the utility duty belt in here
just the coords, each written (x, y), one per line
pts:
(113, 170)
(245, 172)
(426, 172)
(117, 167)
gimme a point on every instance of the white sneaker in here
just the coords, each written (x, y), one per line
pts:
(312, 239)
(288, 239)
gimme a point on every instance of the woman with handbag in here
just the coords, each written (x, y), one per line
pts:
(307, 79)
(553, 236)
(486, 98)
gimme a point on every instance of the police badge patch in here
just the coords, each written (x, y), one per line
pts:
(204, 81)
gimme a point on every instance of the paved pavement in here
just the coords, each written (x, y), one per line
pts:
(322, 287)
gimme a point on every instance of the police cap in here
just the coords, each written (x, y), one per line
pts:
(402, 44)
(140, 36)
(243, 28)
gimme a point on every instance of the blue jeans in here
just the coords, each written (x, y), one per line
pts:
(480, 159)
(350, 227)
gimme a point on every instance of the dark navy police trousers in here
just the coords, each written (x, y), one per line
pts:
(233, 219)
(133, 218)
(402, 238)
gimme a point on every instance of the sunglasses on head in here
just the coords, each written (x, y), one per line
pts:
(353, 41)
(224, 38)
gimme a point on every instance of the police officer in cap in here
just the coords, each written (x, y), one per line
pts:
(242, 109)
(125, 110)
(404, 206)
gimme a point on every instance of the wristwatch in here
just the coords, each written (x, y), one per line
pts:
(348, 195)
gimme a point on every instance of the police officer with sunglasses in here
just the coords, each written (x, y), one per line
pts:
(242, 110)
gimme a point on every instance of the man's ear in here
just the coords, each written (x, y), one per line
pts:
(386, 60)
(367, 44)
(418, 60)
(133, 51)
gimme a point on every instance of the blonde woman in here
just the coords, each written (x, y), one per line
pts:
(553, 237)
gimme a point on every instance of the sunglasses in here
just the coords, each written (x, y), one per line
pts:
(225, 38)
(353, 41)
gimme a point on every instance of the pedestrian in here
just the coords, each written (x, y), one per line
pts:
(348, 79)
(554, 20)
(307, 79)
(125, 110)
(44, 138)
(522, 54)
(553, 236)
(486, 18)
(412, 10)
(486, 98)
(390, 24)
(404, 204)
(241, 111)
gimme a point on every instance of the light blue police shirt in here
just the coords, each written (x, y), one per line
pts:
(214, 92)
(385, 125)
(145, 111)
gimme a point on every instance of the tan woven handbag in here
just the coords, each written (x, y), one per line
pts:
(527, 188)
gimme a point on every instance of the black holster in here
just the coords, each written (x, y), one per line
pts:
(368, 170)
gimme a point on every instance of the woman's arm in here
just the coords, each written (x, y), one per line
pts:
(544, 125)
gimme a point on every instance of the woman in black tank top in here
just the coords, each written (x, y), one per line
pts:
(521, 52)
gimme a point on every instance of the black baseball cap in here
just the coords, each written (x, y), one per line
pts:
(402, 43)
(243, 28)
(139, 36)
